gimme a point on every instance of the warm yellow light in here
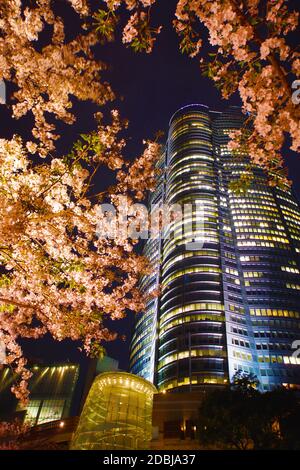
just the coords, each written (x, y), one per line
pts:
(61, 424)
(117, 414)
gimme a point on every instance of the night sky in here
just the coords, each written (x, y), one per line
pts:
(152, 87)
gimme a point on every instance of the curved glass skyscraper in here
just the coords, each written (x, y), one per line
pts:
(229, 282)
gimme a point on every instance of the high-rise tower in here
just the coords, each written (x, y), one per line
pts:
(233, 303)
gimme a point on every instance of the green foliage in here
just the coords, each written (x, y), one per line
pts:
(9, 308)
(105, 24)
(241, 417)
(188, 42)
(87, 146)
(244, 382)
(97, 350)
(63, 266)
(144, 41)
(140, 44)
(4, 280)
(223, 421)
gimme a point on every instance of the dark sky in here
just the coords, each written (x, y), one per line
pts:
(153, 87)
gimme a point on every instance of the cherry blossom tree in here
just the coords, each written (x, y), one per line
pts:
(251, 54)
(58, 275)
(46, 68)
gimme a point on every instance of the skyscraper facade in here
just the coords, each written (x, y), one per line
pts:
(229, 284)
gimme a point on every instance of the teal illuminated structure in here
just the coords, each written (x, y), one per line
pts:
(234, 303)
